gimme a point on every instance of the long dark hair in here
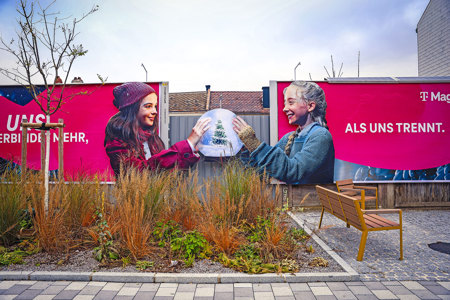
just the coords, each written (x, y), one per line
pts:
(124, 126)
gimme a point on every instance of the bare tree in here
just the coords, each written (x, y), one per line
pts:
(340, 73)
(44, 50)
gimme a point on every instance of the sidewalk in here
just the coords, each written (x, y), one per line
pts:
(380, 262)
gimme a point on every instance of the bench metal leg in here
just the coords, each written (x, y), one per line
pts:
(321, 216)
(362, 245)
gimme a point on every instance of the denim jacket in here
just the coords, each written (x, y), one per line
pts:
(311, 159)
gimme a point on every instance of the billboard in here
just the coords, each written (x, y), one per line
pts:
(382, 130)
(85, 116)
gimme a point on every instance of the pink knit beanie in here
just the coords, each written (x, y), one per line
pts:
(130, 93)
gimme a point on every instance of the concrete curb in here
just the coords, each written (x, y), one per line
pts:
(349, 275)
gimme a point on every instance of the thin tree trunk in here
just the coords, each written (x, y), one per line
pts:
(47, 165)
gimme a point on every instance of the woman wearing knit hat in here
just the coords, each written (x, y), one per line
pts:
(302, 156)
(131, 135)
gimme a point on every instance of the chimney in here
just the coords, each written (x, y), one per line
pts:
(208, 96)
(266, 97)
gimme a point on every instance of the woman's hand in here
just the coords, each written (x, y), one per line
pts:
(199, 129)
(246, 134)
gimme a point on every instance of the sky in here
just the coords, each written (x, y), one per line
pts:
(236, 45)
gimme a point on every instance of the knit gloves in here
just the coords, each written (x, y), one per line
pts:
(248, 137)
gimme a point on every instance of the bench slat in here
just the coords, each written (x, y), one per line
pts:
(375, 221)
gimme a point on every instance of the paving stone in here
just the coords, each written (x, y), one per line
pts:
(446, 297)
(437, 289)
(244, 298)
(29, 294)
(243, 292)
(7, 297)
(53, 290)
(344, 295)
(366, 297)
(113, 286)
(97, 283)
(304, 296)
(408, 297)
(144, 295)
(413, 285)
(90, 290)
(264, 296)
(123, 298)
(44, 297)
(425, 294)
(203, 298)
(40, 285)
(317, 284)
(353, 283)
(166, 292)
(262, 287)
(133, 284)
(149, 287)
(76, 285)
(360, 290)
(184, 295)
(243, 285)
(61, 283)
(337, 286)
(105, 295)
(4, 285)
(66, 294)
(204, 291)
(224, 287)
(186, 287)
(16, 289)
(321, 291)
(445, 284)
(223, 296)
(280, 291)
(384, 294)
(163, 298)
(399, 290)
(326, 297)
(391, 283)
(128, 291)
(375, 285)
(284, 298)
(299, 287)
(84, 297)
(168, 285)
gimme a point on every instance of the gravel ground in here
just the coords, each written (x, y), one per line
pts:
(83, 261)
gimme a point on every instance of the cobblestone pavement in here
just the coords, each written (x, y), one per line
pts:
(380, 262)
(315, 290)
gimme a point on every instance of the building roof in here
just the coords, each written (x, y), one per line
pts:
(239, 102)
(187, 102)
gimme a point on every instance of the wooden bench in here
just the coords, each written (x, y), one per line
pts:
(349, 210)
(347, 187)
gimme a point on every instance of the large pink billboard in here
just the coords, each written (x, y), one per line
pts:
(85, 117)
(385, 131)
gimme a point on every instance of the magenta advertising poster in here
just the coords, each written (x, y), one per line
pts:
(85, 117)
(385, 131)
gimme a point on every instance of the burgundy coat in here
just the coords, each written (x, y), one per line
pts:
(179, 155)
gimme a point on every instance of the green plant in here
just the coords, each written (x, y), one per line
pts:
(165, 232)
(105, 250)
(18, 253)
(144, 265)
(191, 245)
(126, 260)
